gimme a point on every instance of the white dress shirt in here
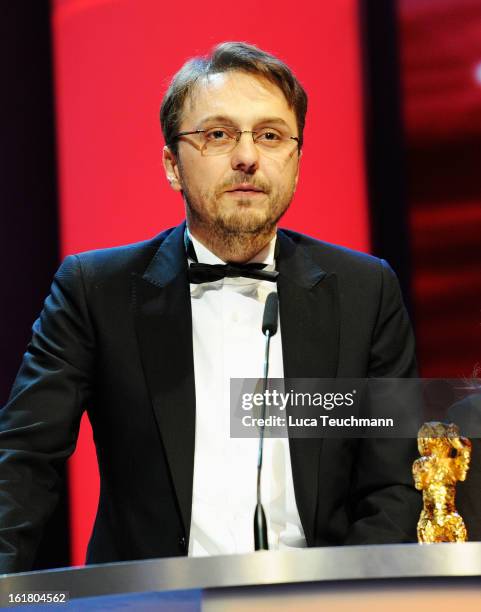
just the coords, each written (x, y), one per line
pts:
(228, 343)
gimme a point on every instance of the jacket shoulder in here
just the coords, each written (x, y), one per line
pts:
(123, 259)
(335, 258)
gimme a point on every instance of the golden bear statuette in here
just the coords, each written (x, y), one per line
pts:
(445, 457)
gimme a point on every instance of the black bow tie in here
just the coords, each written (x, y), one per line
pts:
(208, 273)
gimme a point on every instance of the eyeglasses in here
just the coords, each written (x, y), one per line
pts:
(220, 140)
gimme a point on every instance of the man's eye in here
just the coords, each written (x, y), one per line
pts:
(217, 134)
(269, 135)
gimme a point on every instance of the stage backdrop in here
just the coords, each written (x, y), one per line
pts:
(441, 74)
(113, 61)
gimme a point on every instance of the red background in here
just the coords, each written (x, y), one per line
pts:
(441, 70)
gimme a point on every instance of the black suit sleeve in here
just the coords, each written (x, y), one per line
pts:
(39, 424)
(384, 503)
(392, 345)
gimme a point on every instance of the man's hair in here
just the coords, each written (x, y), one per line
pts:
(227, 57)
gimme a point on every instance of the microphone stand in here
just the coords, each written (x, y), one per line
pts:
(260, 523)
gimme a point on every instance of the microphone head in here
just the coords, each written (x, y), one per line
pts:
(271, 311)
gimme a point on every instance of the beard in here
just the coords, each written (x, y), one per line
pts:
(242, 220)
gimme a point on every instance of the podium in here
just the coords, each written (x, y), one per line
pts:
(390, 578)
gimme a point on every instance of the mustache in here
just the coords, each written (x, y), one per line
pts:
(242, 177)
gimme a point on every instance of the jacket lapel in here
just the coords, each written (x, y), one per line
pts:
(309, 315)
(164, 328)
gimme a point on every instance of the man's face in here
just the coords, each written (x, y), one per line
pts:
(246, 190)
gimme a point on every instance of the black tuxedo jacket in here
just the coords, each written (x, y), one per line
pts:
(115, 338)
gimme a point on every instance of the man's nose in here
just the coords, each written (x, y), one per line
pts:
(245, 156)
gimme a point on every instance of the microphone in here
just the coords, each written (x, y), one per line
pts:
(269, 329)
(271, 311)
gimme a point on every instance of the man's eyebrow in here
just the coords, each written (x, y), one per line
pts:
(220, 119)
(272, 121)
(225, 120)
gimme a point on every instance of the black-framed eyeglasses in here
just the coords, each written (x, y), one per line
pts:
(221, 139)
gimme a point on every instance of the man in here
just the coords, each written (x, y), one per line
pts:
(133, 335)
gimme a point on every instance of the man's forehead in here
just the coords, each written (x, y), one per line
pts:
(236, 94)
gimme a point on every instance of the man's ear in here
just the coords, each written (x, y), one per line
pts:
(171, 169)
(298, 168)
